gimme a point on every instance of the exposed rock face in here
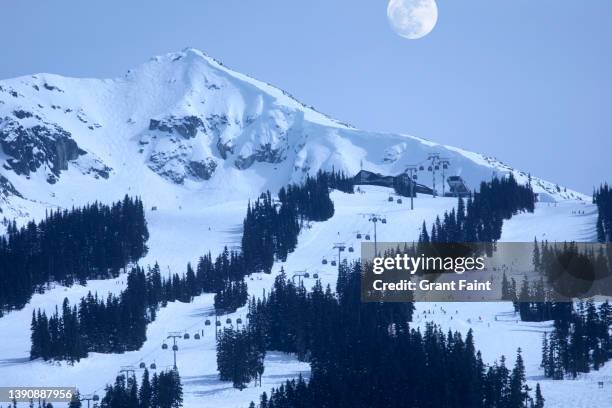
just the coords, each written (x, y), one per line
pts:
(32, 147)
(176, 147)
(186, 126)
(264, 153)
(202, 169)
(21, 114)
(7, 188)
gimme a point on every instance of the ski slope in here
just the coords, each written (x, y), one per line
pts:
(181, 235)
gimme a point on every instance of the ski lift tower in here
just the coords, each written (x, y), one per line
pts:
(222, 312)
(91, 397)
(174, 336)
(300, 275)
(412, 175)
(127, 370)
(340, 246)
(444, 162)
(434, 159)
(375, 218)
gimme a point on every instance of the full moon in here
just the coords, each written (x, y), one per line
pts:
(412, 19)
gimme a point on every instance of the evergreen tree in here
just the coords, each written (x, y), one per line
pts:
(539, 399)
(75, 401)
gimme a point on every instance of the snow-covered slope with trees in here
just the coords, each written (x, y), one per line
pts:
(196, 140)
(179, 236)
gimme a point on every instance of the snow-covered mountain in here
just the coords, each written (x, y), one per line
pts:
(196, 140)
(183, 126)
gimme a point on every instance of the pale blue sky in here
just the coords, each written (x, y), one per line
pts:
(526, 81)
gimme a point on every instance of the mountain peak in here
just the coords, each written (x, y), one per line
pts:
(186, 119)
(188, 55)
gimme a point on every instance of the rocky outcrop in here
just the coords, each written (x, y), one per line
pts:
(263, 154)
(202, 169)
(186, 126)
(225, 148)
(7, 188)
(6, 191)
(30, 148)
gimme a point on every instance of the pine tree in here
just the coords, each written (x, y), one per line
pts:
(539, 399)
(75, 401)
(517, 394)
(537, 263)
(145, 393)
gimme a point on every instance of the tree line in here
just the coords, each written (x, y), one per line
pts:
(579, 344)
(270, 232)
(337, 180)
(581, 339)
(240, 357)
(70, 246)
(271, 228)
(355, 348)
(533, 302)
(481, 218)
(118, 323)
(536, 302)
(365, 354)
(112, 325)
(162, 390)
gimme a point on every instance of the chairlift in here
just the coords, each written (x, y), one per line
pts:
(175, 348)
(358, 235)
(142, 365)
(238, 321)
(196, 336)
(351, 249)
(218, 323)
(333, 263)
(95, 397)
(421, 168)
(445, 166)
(367, 237)
(324, 261)
(164, 346)
(429, 168)
(437, 167)
(207, 322)
(399, 201)
(414, 177)
(384, 220)
(186, 336)
(390, 199)
(153, 366)
(315, 275)
(228, 321)
(306, 275)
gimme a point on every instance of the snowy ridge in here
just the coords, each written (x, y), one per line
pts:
(184, 124)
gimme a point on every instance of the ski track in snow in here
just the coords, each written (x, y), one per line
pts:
(180, 235)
